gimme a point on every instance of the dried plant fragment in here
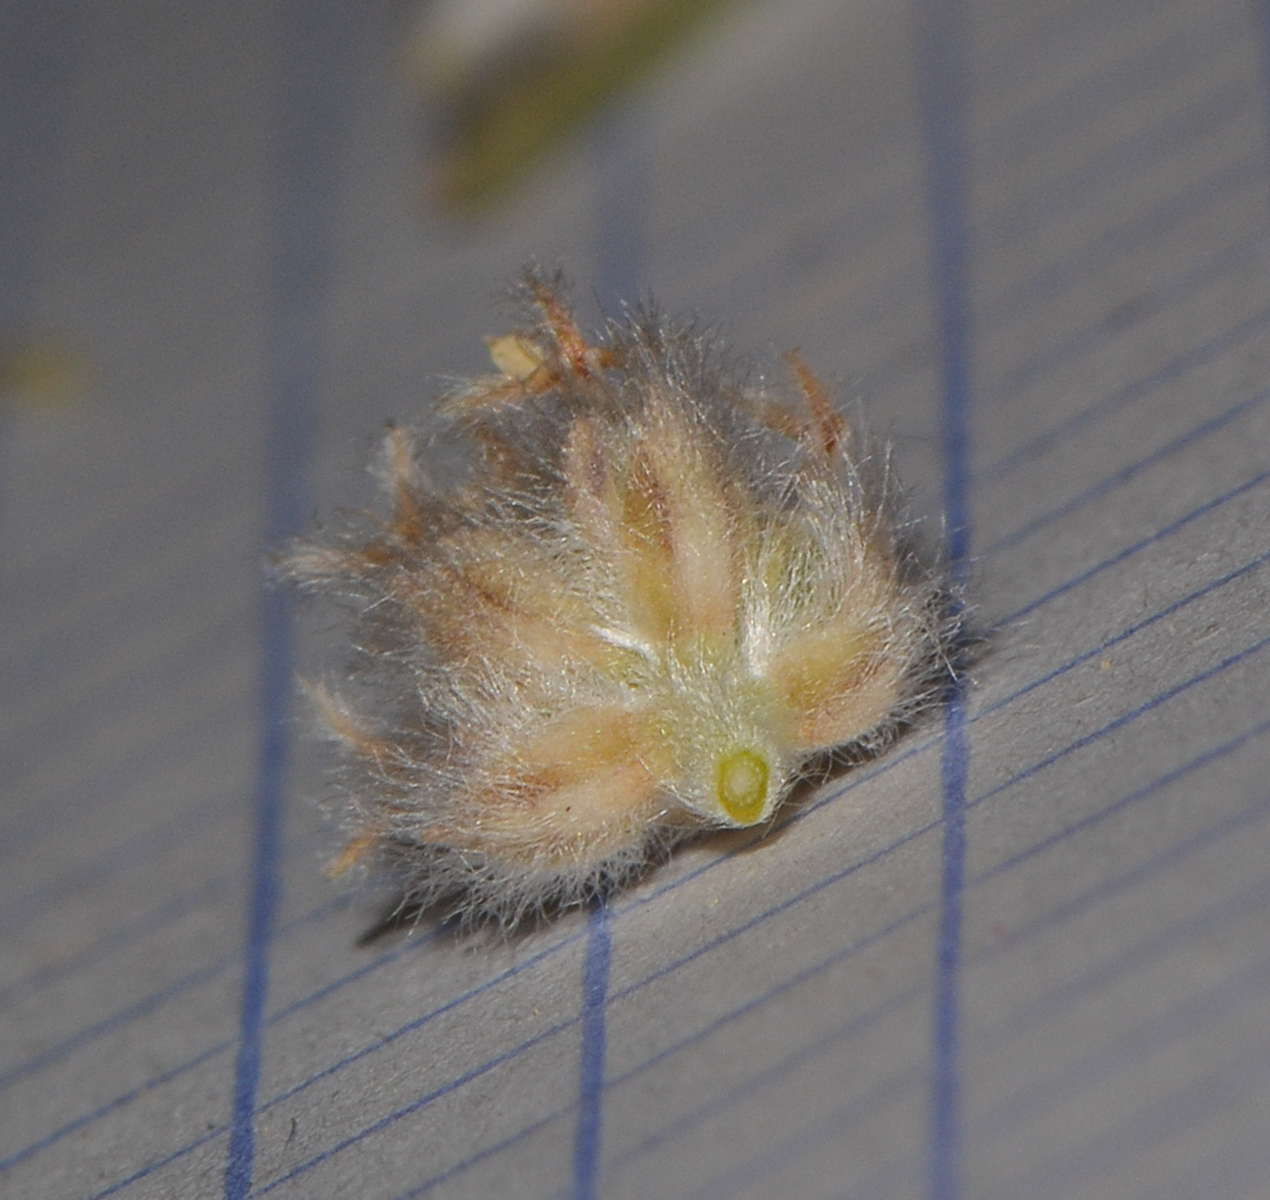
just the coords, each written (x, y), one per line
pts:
(503, 82)
(659, 595)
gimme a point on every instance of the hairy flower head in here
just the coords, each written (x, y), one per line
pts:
(660, 592)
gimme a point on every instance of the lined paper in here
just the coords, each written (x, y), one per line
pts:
(1020, 955)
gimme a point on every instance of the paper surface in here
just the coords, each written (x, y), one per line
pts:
(1020, 956)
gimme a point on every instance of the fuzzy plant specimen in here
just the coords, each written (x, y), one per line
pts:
(659, 594)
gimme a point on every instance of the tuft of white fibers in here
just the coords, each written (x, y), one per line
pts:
(659, 594)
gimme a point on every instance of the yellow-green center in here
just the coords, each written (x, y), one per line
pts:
(742, 786)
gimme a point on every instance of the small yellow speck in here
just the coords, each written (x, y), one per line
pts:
(517, 357)
(41, 373)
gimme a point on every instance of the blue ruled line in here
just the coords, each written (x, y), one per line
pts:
(1143, 230)
(621, 175)
(1208, 116)
(595, 987)
(1085, 340)
(428, 1098)
(946, 1085)
(312, 40)
(1250, 330)
(621, 210)
(1195, 514)
(1126, 473)
(941, 51)
(265, 888)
